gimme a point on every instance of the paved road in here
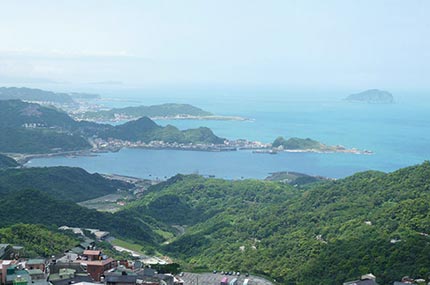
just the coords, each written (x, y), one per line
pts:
(215, 279)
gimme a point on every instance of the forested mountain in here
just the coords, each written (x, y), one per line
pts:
(327, 233)
(6, 162)
(64, 183)
(30, 94)
(51, 130)
(146, 130)
(35, 207)
(49, 242)
(162, 110)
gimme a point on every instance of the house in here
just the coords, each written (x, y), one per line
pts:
(120, 276)
(36, 274)
(149, 276)
(66, 276)
(408, 281)
(4, 265)
(5, 250)
(92, 255)
(14, 273)
(368, 279)
(35, 264)
(96, 268)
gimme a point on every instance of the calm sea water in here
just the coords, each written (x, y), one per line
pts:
(399, 135)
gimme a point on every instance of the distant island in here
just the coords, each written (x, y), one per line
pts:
(372, 96)
(36, 95)
(170, 111)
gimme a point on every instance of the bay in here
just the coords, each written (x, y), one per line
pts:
(398, 134)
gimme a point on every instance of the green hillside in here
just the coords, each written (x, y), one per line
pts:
(162, 110)
(31, 94)
(31, 128)
(36, 207)
(6, 162)
(298, 143)
(64, 183)
(48, 242)
(146, 130)
(327, 233)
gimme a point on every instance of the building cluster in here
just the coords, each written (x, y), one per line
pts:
(116, 144)
(370, 279)
(81, 265)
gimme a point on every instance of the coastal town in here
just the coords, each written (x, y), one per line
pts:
(87, 264)
(113, 145)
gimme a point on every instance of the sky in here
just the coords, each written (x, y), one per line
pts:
(303, 44)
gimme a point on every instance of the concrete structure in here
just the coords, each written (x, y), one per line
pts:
(36, 264)
(96, 268)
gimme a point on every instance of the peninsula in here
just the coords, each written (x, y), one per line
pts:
(168, 111)
(372, 96)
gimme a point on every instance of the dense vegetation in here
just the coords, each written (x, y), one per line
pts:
(298, 143)
(163, 110)
(6, 162)
(50, 130)
(294, 178)
(146, 130)
(29, 94)
(35, 207)
(37, 240)
(327, 233)
(36, 141)
(64, 183)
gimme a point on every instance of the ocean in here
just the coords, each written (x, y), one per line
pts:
(398, 134)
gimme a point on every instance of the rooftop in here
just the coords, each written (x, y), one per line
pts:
(35, 261)
(92, 252)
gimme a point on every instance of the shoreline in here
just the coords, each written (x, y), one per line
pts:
(24, 159)
(164, 118)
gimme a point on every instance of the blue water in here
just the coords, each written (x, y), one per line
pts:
(399, 135)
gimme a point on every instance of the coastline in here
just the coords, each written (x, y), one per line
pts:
(122, 118)
(23, 158)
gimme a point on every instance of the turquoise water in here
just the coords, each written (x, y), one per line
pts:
(398, 134)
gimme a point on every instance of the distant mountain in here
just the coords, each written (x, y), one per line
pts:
(52, 130)
(372, 96)
(6, 162)
(65, 183)
(163, 110)
(29, 94)
(146, 130)
(16, 113)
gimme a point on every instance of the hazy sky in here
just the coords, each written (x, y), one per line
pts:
(290, 44)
